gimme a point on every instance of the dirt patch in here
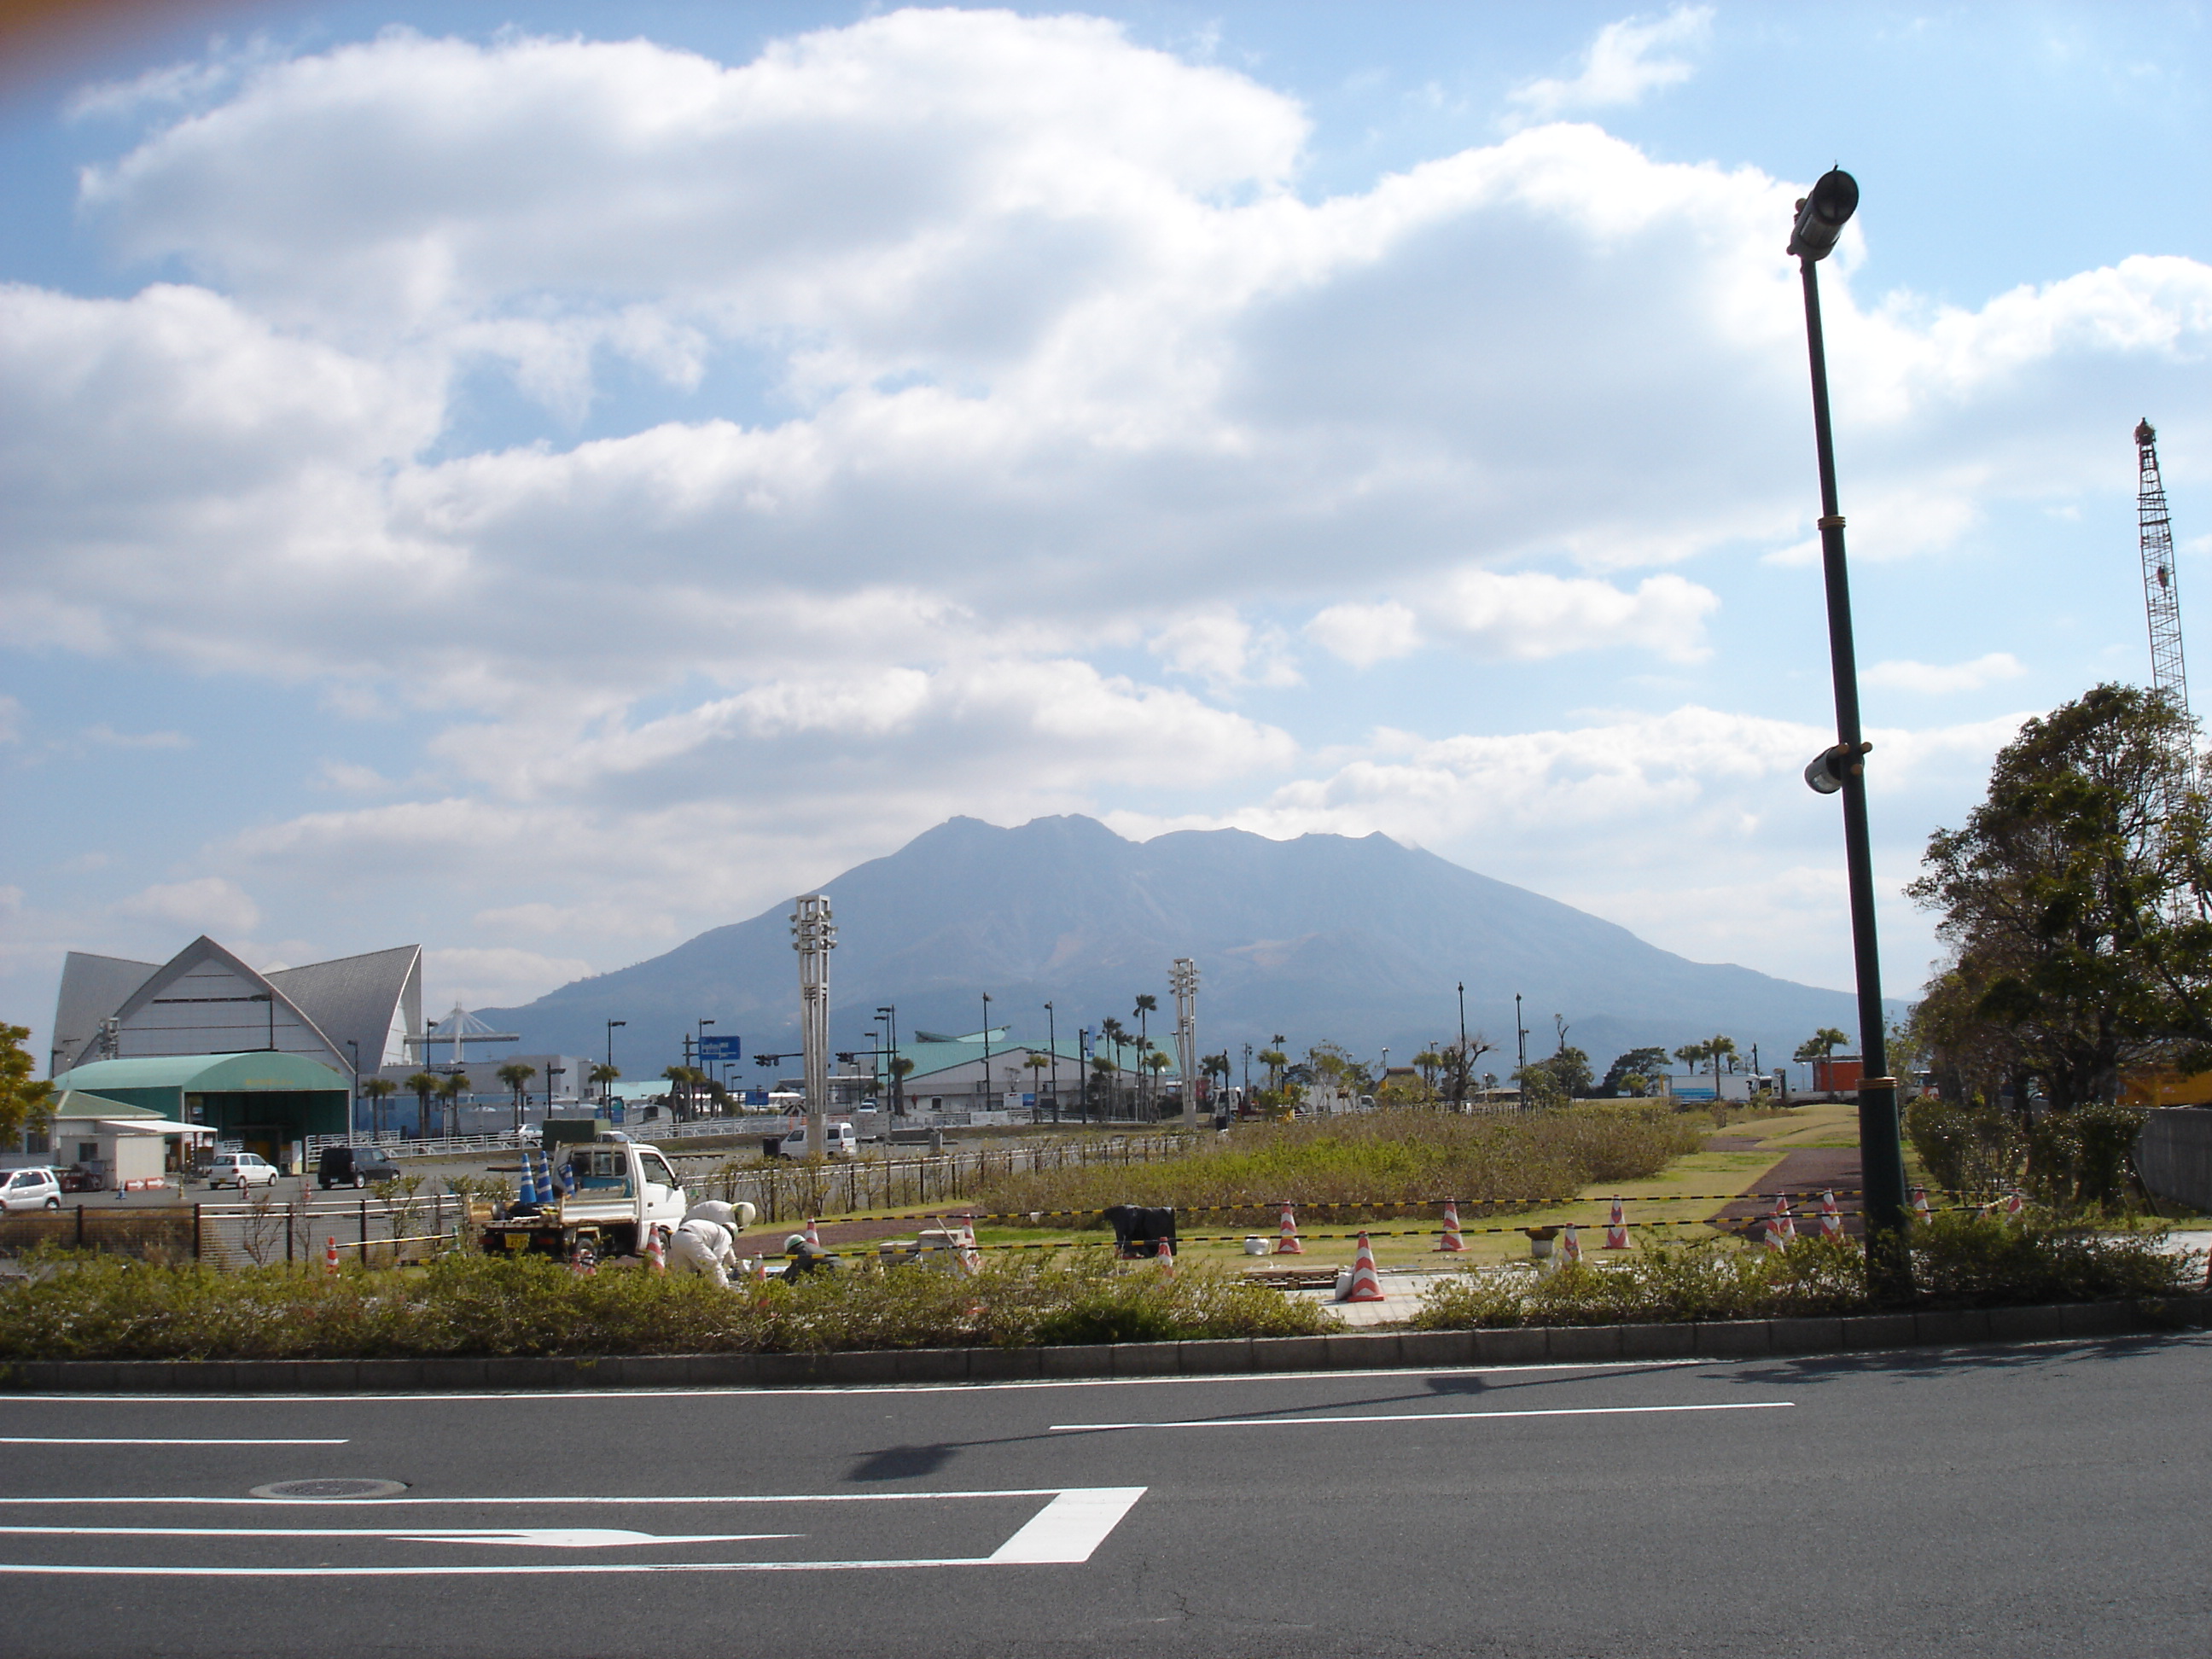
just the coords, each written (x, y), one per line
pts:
(1806, 1174)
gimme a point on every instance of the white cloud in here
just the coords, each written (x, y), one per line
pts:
(1225, 650)
(1364, 634)
(1525, 617)
(107, 737)
(1936, 679)
(208, 904)
(498, 976)
(1622, 64)
(11, 721)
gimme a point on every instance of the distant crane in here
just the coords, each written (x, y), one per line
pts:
(2169, 674)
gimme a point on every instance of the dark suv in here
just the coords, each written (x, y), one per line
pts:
(354, 1166)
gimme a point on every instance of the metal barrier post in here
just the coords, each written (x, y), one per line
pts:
(196, 1232)
(364, 1232)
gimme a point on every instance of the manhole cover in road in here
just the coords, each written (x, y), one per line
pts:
(331, 1489)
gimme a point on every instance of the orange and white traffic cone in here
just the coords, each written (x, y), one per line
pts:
(1571, 1247)
(330, 1256)
(1452, 1242)
(1920, 1211)
(760, 1270)
(1366, 1286)
(655, 1251)
(1831, 1219)
(2013, 1205)
(1287, 1243)
(1784, 1225)
(813, 1238)
(1616, 1229)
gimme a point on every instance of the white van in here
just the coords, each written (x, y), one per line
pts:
(838, 1141)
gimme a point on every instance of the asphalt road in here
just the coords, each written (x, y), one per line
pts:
(2023, 1501)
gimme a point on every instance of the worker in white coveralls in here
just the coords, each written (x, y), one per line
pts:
(706, 1241)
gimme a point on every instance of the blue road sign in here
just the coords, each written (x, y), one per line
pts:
(714, 1048)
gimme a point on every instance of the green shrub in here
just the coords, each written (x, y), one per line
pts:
(104, 1306)
(1377, 1161)
(2085, 1156)
(1965, 1149)
(1976, 1260)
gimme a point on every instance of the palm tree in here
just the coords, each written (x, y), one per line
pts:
(376, 1091)
(1156, 1062)
(1692, 1054)
(451, 1091)
(1716, 1050)
(423, 1084)
(1147, 1006)
(1102, 1074)
(517, 1078)
(601, 1075)
(1821, 1045)
(900, 1068)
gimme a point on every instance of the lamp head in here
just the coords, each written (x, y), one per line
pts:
(1822, 216)
(1826, 772)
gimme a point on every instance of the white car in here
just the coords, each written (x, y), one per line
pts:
(242, 1171)
(31, 1189)
(838, 1141)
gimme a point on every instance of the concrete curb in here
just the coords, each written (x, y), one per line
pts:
(1347, 1352)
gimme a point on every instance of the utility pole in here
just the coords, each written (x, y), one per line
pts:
(890, 1014)
(814, 936)
(987, 1051)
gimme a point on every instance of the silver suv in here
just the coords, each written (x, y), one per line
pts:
(31, 1189)
(242, 1171)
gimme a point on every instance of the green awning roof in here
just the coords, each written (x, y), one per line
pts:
(208, 1074)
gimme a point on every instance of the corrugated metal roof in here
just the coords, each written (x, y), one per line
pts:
(93, 988)
(356, 998)
(209, 1074)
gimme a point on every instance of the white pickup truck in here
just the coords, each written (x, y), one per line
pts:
(622, 1189)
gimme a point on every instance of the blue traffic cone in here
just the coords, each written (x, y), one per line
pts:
(528, 1192)
(569, 1179)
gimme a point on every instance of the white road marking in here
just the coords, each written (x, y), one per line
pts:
(742, 1391)
(1424, 1416)
(566, 1538)
(180, 1440)
(1069, 1527)
(709, 1497)
(1065, 1533)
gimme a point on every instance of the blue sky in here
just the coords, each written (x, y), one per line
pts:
(479, 477)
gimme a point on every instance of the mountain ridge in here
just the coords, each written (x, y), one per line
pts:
(1359, 940)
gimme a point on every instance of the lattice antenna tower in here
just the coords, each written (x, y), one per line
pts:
(2169, 675)
(813, 935)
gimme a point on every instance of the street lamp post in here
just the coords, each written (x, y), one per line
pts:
(1459, 1088)
(353, 1123)
(553, 1075)
(987, 1050)
(611, 1050)
(890, 1012)
(1820, 219)
(1052, 1043)
(1521, 1046)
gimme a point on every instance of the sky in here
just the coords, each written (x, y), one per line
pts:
(541, 481)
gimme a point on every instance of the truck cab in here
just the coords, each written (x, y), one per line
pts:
(623, 1190)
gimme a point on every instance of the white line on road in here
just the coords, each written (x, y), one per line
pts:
(181, 1440)
(709, 1497)
(1424, 1416)
(566, 1538)
(1065, 1533)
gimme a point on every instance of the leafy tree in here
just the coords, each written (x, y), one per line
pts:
(1821, 1044)
(1638, 1063)
(26, 1104)
(2074, 902)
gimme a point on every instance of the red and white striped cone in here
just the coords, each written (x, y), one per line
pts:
(813, 1238)
(584, 1264)
(1831, 1219)
(1452, 1242)
(2013, 1205)
(1366, 1286)
(760, 1270)
(1784, 1225)
(1616, 1229)
(1287, 1243)
(330, 1256)
(1920, 1211)
(1167, 1258)
(655, 1251)
(1571, 1247)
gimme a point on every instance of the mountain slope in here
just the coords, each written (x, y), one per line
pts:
(1360, 940)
